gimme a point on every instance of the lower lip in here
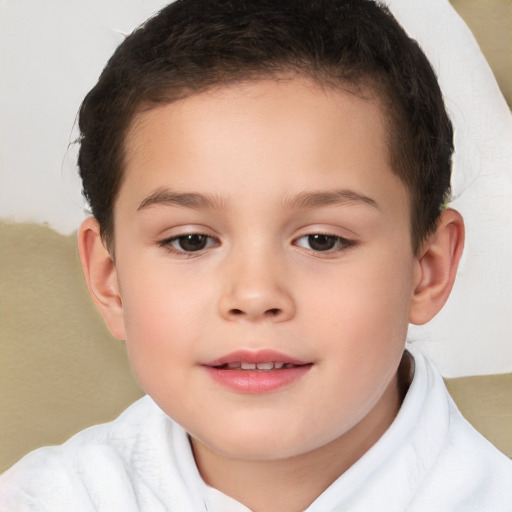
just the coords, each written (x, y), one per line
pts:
(257, 381)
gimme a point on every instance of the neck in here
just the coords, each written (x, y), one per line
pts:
(291, 485)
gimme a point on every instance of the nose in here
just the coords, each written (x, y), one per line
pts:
(255, 289)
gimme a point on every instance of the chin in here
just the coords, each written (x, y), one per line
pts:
(273, 442)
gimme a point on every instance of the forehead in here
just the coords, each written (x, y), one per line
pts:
(294, 133)
(293, 98)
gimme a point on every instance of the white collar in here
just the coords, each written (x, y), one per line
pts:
(378, 471)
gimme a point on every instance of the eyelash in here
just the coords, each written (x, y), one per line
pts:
(340, 243)
(168, 244)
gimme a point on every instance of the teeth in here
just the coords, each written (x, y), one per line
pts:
(270, 365)
(265, 366)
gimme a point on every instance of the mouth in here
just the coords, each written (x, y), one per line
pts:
(256, 372)
(262, 359)
(264, 367)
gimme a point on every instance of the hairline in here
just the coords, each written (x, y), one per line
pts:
(364, 86)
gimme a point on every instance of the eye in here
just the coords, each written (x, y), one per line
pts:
(192, 242)
(320, 242)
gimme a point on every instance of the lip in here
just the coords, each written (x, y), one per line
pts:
(256, 381)
(255, 356)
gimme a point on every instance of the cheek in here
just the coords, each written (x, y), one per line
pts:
(375, 289)
(163, 321)
(363, 341)
(159, 300)
(367, 306)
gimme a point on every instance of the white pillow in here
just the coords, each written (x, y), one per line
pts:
(473, 333)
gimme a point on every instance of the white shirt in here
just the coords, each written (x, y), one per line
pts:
(430, 459)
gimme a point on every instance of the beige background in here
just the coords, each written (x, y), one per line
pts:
(491, 24)
(60, 369)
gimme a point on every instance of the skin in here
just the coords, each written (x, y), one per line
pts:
(269, 159)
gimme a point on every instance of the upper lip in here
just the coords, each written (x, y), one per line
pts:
(255, 356)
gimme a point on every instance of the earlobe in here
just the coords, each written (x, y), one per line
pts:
(101, 276)
(437, 267)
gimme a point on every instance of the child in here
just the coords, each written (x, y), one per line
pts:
(269, 184)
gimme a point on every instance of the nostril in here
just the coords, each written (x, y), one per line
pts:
(269, 312)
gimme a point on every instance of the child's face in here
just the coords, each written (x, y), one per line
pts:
(262, 223)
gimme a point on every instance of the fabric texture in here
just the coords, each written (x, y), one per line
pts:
(471, 335)
(429, 459)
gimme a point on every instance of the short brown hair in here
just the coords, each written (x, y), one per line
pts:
(192, 45)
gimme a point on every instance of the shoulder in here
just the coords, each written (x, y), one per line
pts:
(471, 464)
(53, 478)
(468, 473)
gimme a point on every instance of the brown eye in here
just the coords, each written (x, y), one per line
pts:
(320, 242)
(191, 243)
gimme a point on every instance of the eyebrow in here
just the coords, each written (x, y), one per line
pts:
(167, 197)
(303, 200)
(307, 200)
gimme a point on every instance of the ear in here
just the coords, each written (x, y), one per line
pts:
(437, 267)
(101, 276)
